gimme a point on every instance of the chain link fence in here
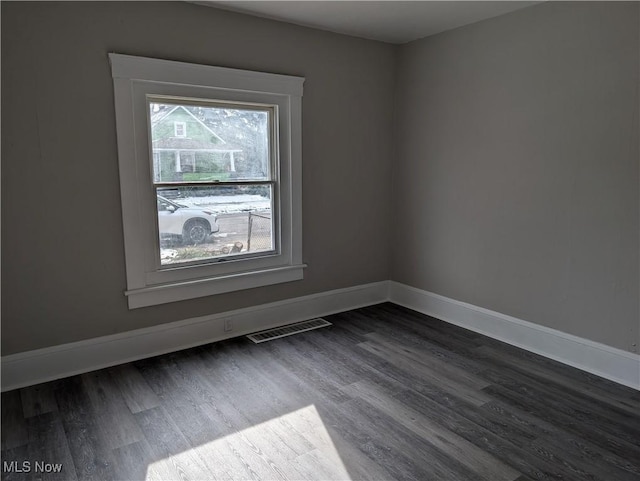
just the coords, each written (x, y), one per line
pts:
(259, 232)
(239, 232)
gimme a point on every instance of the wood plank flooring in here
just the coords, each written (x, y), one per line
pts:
(384, 393)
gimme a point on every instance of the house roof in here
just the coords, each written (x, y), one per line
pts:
(160, 116)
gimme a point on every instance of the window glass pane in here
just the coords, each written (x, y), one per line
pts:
(209, 143)
(208, 223)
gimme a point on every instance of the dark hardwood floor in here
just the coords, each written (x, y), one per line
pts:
(385, 393)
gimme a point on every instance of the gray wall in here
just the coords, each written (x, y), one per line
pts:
(62, 251)
(516, 172)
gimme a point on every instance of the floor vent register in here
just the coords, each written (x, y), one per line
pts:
(288, 330)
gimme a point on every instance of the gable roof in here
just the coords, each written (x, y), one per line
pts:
(163, 116)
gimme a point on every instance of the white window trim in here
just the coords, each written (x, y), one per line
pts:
(136, 77)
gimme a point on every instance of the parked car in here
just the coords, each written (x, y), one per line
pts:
(193, 225)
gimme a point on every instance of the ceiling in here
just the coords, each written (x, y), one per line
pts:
(387, 21)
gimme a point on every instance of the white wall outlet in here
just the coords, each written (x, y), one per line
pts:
(227, 325)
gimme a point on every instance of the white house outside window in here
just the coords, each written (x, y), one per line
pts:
(210, 168)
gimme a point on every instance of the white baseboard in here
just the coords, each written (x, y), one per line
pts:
(599, 359)
(41, 365)
(33, 367)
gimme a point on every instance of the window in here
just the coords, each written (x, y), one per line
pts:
(217, 187)
(180, 129)
(210, 172)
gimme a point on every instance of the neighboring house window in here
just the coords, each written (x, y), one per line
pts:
(219, 210)
(180, 129)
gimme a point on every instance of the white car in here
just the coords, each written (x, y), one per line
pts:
(193, 225)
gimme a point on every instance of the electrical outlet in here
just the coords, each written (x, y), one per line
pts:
(227, 325)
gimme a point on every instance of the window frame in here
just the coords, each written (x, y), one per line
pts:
(136, 79)
(184, 130)
(271, 180)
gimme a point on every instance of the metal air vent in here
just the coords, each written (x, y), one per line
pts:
(295, 328)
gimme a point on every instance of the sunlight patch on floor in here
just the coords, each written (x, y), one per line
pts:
(295, 445)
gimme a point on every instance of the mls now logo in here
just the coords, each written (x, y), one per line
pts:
(28, 466)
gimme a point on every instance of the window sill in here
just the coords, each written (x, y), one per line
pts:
(180, 291)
